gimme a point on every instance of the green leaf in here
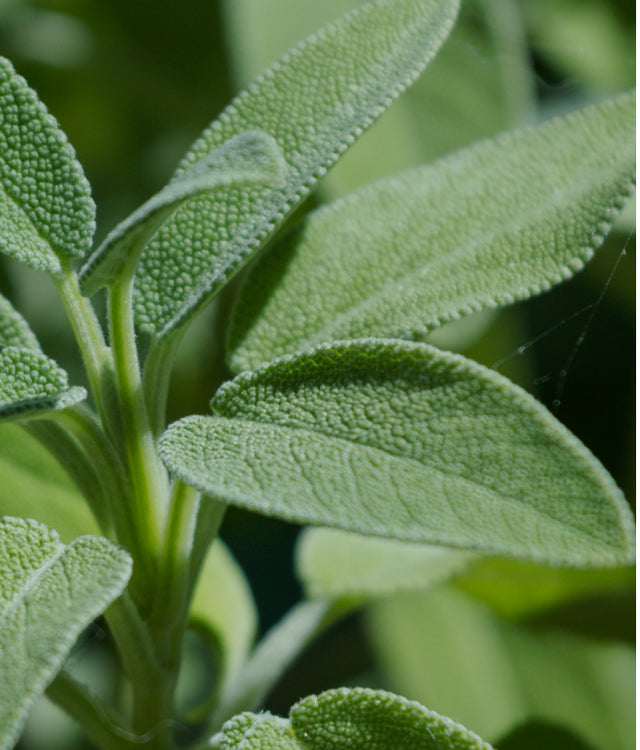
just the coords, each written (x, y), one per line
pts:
(14, 329)
(49, 593)
(31, 385)
(46, 210)
(250, 158)
(489, 225)
(224, 608)
(315, 102)
(349, 719)
(402, 440)
(432, 643)
(337, 564)
(33, 485)
(361, 719)
(478, 84)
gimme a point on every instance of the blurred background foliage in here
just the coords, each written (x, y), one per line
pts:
(133, 82)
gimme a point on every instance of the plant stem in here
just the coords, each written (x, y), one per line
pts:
(157, 376)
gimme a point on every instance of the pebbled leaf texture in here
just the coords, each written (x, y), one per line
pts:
(498, 222)
(32, 385)
(315, 101)
(402, 440)
(14, 329)
(46, 209)
(258, 732)
(49, 593)
(362, 719)
(250, 158)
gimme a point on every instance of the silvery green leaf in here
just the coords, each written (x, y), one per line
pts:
(338, 564)
(46, 209)
(349, 719)
(315, 101)
(498, 222)
(402, 440)
(251, 158)
(14, 329)
(362, 719)
(431, 643)
(49, 593)
(34, 485)
(31, 385)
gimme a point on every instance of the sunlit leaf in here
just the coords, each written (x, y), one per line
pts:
(315, 102)
(402, 440)
(49, 593)
(250, 158)
(46, 209)
(498, 222)
(433, 644)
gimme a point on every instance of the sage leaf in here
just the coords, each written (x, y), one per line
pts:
(498, 222)
(315, 101)
(362, 719)
(31, 385)
(250, 158)
(258, 732)
(29, 474)
(402, 440)
(224, 609)
(14, 329)
(430, 643)
(338, 564)
(46, 210)
(49, 593)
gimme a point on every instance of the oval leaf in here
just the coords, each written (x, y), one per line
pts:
(31, 385)
(402, 440)
(14, 329)
(315, 102)
(249, 158)
(362, 719)
(257, 732)
(46, 209)
(489, 225)
(49, 593)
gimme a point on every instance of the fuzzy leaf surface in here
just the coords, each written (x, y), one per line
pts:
(31, 385)
(431, 643)
(315, 101)
(49, 593)
(14, 329)
(498, 222)
(250, 158)
(402, 440)
(46, 209)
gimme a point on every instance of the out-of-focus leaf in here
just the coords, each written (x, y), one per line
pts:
(445, 649)
(33, 485)
(498, 222)
(31, 385)
(315, 102)
(49, 593)
(46, 209)
(251, 158)
(14, 329)
(224, 608)
(402, 440)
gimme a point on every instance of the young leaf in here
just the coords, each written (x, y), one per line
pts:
(250, 158)
(336, 564)
(32, 385)
(430, 644)
(489, 225)
(46, 209)
(14, 329)
(361, 719)
(49, 593)
(258, 732)
(401, 440)
(315, 102)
